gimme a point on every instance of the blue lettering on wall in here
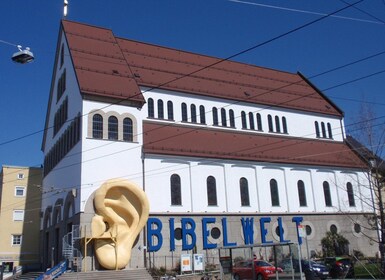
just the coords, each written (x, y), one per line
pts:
(248, 230)
(224, 227)
(206, 233)
(154, 229)
(188, 229)
(172, 234)
(262, 222)
(189, 238)
(281, 231)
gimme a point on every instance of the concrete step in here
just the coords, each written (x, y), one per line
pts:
(26, 276)
(137, 274)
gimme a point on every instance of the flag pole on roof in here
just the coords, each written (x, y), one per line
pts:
(65, 9)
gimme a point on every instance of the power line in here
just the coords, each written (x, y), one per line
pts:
(354, 80)
(366, 13)
(205, 67)
(293, 83)
(224, 60)
(306, 12)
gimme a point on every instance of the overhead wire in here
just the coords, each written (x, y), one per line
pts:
(207, 66)
(302, 11)
(299, 139)
(54, 191)
(266, 107)
(254, 47)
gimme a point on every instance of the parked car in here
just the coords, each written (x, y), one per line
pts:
(340, 267)
(243, 270)
(311, 269)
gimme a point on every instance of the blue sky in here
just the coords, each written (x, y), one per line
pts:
(219, 28)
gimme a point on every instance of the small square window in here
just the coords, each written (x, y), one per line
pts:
(16, 239)
(18, 215)
(20, 176)
(19, 191)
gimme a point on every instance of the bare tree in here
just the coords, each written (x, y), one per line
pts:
(368, 141)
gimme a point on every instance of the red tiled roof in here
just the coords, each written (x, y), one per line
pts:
(99, 63)
(180, 140)
(115, 67)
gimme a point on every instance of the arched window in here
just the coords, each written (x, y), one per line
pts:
(317, 129)
(323, 129)
(215, 116)
(232, 119)
(202, 114)
(349, 189)
(211, 191)
(328, 198)
(150, 108)
(259, 122)
(301, 193)
(170, 111)
(160, 109)
(223, 117)
(284, 125)
(251, 120)
(270, 122)
(193, 110)
(97, 126)
(244, 188)
(128, 134)
(330, 133)
(184, 112)
(113, 128)
(244, 122)
(277, 124)
(274, 192)
(176, 192)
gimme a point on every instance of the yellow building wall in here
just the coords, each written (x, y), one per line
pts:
(28, 199)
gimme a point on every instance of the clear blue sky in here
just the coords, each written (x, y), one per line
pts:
(218, 28)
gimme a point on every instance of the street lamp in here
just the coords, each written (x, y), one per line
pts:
(22, 56)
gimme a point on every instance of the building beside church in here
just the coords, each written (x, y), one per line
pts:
(227, 153)
(20, 201)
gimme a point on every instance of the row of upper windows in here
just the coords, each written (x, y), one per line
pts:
(61, 86)
(112, 126)
(322, 133)
(66, 142)
(61, 116)
(176, 192)
(220, 117)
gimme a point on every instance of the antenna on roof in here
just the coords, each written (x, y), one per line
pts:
(65, 10)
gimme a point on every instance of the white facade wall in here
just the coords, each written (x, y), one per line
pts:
(104, 159)
(299, 124)
(194, 174)
(67, 173)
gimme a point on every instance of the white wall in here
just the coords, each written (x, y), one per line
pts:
(66, 175)
(299, 124)
(104, 159)
(228, 173)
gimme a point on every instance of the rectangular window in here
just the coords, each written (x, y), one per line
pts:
(18, 215)
(19, 191)
(20, 176)
(16, 239)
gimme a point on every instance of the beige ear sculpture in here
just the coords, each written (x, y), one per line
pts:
(121, 211)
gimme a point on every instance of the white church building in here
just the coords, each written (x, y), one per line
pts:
(228, 154)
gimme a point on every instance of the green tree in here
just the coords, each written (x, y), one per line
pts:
(334, 244)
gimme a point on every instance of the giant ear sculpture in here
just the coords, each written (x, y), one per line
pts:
(122, 210)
